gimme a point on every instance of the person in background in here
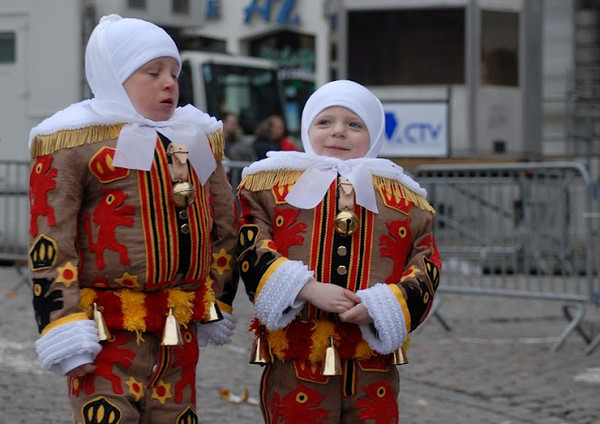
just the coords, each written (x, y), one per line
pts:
(235, 146)
(337, 253)
(271, 136)
(131, 240)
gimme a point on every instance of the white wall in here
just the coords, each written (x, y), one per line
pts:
(47, 74)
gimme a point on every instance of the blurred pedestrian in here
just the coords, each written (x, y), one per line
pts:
(271, 135)
(236, 148)
(337, 252)
(131, 234)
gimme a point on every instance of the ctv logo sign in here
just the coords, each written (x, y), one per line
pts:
(416, 129)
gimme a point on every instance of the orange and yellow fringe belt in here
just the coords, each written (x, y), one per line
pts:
(140, 312)
(308, 340)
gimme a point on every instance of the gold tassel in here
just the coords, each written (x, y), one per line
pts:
(260, 351)
(332, 365)
(399, 357)
(103, 333)
(172, 332)
(212, 314)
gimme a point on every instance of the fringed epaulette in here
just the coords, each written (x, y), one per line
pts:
(265, 180)
(393, 191)
(48, 144)
(217, 144)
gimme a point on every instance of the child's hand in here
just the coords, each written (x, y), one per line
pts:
(356, 315)
(82, 370)
(328, 297)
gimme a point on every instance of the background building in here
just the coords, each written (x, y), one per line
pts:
(495, 80)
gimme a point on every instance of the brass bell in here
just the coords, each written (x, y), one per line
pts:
(183, 194)
(332, 365)
(172, 332)
(346, 222)
(212, 314)
(260, 351)
(103, 333)
(399, 357)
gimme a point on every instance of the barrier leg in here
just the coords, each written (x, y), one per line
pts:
(437, 301)
(574, 324)
(593, 345)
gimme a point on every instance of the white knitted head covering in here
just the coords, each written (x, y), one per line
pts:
(120, 46)
(320, 171)
(350, 95)
(116, 49)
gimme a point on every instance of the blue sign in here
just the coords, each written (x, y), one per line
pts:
(416, 129)
(285, 14)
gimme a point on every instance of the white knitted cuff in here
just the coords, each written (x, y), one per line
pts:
(66, 341)
(218, 332)
(276, 305)
(388, 319)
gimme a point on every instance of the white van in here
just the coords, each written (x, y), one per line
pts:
(217, 83)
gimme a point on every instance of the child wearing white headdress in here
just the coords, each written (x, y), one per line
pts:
(131, 229)
(336, 250)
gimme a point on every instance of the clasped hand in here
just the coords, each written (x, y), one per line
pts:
(335, 299)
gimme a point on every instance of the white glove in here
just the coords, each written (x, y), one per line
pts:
(217, 332)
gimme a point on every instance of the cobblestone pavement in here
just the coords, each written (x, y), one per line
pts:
(494, 367)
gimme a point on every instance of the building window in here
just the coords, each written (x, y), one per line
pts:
(499, 48)
(137, 4)
(180, 6)
(407, 47)
(8, 42)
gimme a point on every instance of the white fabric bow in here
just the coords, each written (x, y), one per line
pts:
(312, 185)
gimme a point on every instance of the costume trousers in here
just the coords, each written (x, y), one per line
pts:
(138, 381)
(294, 392)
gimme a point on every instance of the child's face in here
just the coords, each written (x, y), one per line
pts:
(153, 89)
(340, 133)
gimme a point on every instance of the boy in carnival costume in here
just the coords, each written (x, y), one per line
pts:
(337, 253)
(132, 246)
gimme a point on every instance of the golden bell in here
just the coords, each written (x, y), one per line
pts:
(212, 314)
(399, 357)
(103, 333)
(172, 332)
(332, 365)
(183, 194)
(346, 222)
(260, 351)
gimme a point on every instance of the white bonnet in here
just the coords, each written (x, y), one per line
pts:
(120, 46)
(353, 96)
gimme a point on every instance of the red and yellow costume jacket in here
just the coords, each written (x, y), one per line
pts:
(113, 237)
(391, 259)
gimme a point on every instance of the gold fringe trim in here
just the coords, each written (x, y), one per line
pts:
(217, 144)
(266, 180)
(47, 144)
(393, 186)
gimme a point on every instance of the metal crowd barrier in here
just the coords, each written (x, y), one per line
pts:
(520, 230)
(14, 217)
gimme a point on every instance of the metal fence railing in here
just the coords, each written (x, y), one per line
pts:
(14, 216)
(521, 230)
